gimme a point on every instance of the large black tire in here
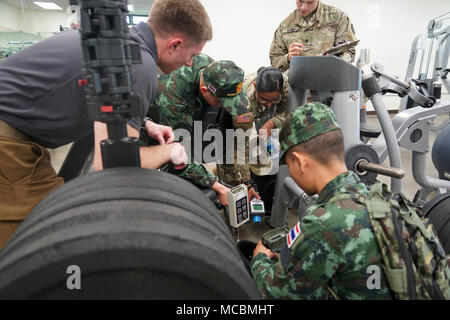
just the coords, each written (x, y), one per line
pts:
(438, 211)
(134, 233)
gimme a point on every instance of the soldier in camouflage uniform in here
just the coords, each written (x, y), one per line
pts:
(181, 97)
(329, 252)
(267, 92)
(310, 30)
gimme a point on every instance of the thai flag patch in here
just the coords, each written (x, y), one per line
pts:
(293, 234)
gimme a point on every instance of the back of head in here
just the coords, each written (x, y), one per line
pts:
(269, 79)
(187, 17)
(313, 129)
(324, 148)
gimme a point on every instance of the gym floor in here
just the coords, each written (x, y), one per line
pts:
(253, 231)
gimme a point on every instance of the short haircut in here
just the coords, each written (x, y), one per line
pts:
(324, 148)
(269, 79)
(187, 17)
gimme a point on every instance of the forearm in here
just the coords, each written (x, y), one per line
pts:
(268, 278)
(278, 119)
(348, 56)
(154, 157)
(196, 174)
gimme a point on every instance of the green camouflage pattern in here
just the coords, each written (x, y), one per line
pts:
(334, 250)
(429, 262)
(224, 80)
(235, 174)
(305, 123)
(327, 28)
(176, 104)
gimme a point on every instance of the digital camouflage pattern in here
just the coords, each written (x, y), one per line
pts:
(235, 174)
(327, 28)
(305, 123)
(177, 104)
(335, 248)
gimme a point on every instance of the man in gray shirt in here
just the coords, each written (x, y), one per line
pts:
(41, 104)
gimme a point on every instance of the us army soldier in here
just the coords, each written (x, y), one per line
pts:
(312, 29)
(327, 254)
(267, 91)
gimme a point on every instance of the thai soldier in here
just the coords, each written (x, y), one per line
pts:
(328, 253)
(184, 93)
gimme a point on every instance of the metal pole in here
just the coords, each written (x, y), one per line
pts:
(363, 165)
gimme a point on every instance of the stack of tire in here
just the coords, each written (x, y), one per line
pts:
(133, 234)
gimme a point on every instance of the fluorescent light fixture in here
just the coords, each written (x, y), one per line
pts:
(130, 7)
(48, 5)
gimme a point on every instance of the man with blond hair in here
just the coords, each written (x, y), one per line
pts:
(42, 106)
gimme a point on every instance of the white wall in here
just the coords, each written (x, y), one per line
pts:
(243, 29)
(14, 19)
(9, 18)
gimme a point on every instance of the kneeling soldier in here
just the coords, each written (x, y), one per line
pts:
(329, 252)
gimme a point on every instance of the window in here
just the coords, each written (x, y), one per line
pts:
(134, 19)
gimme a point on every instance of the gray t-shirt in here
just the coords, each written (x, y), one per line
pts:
(39, 92)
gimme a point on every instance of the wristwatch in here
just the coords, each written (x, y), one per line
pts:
(144, 120)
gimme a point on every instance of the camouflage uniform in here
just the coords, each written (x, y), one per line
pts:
(235, 174)
(335, 243)
(179, 102)
(327, 28)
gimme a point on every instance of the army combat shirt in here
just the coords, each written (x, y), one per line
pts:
(326, 28)
(335, 247)
(238, 173)
(39, 92)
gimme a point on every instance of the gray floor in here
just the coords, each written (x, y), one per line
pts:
(253, 232)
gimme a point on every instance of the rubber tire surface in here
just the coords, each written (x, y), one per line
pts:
(438, 211)
(138, 234)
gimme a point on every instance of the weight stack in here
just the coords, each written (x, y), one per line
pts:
(134, 234)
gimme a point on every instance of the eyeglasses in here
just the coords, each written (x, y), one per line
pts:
(267, 101)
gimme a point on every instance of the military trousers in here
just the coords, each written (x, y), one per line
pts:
(26, 178)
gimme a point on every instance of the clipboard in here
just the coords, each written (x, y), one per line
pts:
(341, 48)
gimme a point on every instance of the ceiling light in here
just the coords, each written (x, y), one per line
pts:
(130, 7)
(48, 5)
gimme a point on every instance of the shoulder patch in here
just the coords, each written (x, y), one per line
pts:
(293, 235)
(244, 118)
